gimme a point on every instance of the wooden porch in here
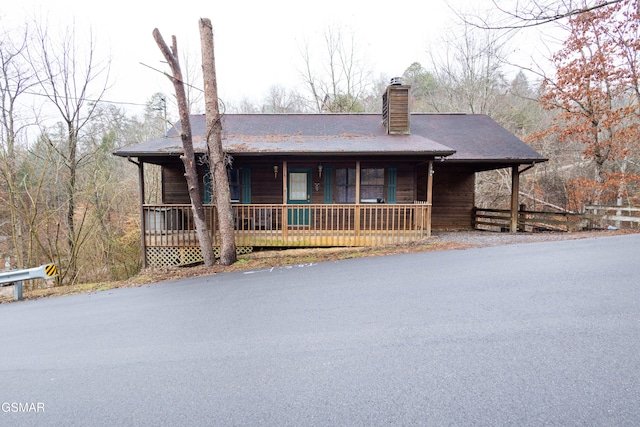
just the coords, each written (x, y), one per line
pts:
(170, 237)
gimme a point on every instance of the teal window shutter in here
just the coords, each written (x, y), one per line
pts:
(246, 185)
(392, 184)
(328, 185)
(207, 185)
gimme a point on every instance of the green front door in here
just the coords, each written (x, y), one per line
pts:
(299, 193)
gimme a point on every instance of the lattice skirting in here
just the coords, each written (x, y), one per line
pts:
(171, 256)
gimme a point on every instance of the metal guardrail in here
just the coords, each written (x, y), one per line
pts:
(16, 277)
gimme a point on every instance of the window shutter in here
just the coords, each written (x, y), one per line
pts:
(246, 185)
(206, 180)
(392, 184)
(328, 185)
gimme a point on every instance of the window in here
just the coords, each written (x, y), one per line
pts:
(298, 186)
(207, 181)
(372, 185)
(234, 185)
(345, 185)
(245, 177)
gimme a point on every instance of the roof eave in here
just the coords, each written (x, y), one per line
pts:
(506, 161)
(345, 153)
(438, 153)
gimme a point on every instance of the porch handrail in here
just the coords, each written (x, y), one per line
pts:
(293, 225)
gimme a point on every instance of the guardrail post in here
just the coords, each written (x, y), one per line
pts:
(17, 290)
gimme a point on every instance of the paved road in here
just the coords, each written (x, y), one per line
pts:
(532, 334)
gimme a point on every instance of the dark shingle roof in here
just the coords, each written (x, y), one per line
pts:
(475, 137)
(462, 137)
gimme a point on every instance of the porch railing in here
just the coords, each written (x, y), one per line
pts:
(293, 225)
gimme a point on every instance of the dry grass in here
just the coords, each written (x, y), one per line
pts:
(277, 258)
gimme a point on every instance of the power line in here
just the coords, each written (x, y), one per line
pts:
(162, 72)
(89, 100)
(117, 102)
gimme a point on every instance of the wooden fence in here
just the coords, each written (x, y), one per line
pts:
(613, 216)
(500, 220)
(595, 217)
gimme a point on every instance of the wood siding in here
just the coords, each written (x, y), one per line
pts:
(406, 186)
(266, 188)
(453, 197)
(453, 186)
(395, 110)
(174, 184)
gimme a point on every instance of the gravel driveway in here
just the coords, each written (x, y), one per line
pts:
(490, 238)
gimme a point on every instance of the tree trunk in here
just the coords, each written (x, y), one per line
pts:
(214, 145)
(188, 158)
(72, 141)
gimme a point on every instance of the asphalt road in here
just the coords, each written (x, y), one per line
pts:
(531, 334)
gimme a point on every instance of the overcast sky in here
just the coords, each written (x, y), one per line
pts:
(256, 42)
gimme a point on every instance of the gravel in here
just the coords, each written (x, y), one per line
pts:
(490, 238)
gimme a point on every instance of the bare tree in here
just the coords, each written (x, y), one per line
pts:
(188, 158)
(245, 106)
(534, 13)
(339, 81)
(217, 157)
(281, 100)
(191, 73)
(105, 188)
(15, 80)
(468, 73)
(74, 81)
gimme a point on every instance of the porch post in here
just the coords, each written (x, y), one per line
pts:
(356, 219)
(429, 196)
(285, 213)
(143, 225)
(515, 190)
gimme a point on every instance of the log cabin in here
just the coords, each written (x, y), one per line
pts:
(313, 180)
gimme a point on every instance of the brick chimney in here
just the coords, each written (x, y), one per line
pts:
(395, 108)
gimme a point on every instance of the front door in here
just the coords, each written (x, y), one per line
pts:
(299, 193)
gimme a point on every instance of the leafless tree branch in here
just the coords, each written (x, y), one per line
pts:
(533, 13)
